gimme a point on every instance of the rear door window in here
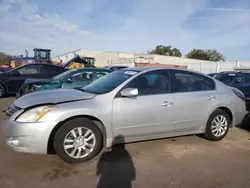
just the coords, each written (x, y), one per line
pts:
(184, 81)
(82, 76)
(50, 70)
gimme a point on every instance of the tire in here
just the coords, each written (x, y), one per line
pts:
(2, 91)
(93, 146)
(212, 133)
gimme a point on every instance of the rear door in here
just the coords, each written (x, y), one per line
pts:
(195, 96)
(48, 71)
(18, 76)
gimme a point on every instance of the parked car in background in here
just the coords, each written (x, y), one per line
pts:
(239, 80)
(138, 104)
(11, 81)
(4, 68)
(115, 67)
(74, 78)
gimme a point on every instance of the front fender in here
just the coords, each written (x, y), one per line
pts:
(75, 109)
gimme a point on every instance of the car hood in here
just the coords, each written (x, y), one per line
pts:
(38, 81)
(52, 97)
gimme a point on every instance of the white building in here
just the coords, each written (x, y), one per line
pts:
(103, 58)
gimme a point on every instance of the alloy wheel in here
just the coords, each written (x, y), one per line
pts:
(79, 142)
(219, 126)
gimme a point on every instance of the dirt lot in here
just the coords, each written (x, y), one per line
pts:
(182, 162)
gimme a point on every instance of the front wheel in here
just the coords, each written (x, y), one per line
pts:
(217, 125)
(78, 140)
(2, 90)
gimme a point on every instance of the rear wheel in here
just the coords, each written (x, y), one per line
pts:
(2, 90)
(78, 140)
(217, 125)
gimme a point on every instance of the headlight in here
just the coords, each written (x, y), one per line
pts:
(35, 114)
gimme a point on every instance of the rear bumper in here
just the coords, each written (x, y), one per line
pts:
(239, 117)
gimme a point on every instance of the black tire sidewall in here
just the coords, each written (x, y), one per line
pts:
(3, 90)
(208, 132)
(66, 128)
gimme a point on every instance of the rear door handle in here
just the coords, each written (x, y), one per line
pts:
(166, 103)
(211, 97)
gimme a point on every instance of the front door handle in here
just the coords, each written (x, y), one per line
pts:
(211, 97)
(166, 103)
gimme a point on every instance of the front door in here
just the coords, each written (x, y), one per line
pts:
(149, 113)
(195, 96)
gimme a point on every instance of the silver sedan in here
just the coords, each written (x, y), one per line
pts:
(127, 105)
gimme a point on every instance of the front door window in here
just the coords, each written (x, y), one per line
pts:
(27, 70)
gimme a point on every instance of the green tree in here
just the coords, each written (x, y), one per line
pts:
(215, 55)
(166, 50)
(209, 55)
(5, 58)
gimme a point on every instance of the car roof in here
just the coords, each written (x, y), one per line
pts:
(93, 69)
(111, 66)
(147, 68)
(50, 64)
(151, 68)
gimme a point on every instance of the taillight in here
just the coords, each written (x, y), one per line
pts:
(239, 94)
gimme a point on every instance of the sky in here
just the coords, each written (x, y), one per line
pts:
(135, 26)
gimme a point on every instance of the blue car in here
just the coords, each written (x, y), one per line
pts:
(239, 80)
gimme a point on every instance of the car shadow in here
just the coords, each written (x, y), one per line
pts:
(116, 168)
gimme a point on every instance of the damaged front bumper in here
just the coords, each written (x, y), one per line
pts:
(25, 89)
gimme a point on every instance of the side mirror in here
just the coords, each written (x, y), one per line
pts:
(69, 81)
(129, 92)
(237, 80)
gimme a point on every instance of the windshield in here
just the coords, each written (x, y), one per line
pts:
(109, 82)
(62, 75)
(225, 77)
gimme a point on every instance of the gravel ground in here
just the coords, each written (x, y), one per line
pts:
(182, 162)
